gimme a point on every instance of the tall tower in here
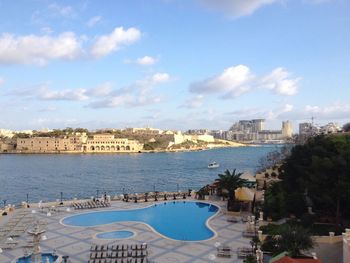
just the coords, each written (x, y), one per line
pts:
(258, 125)
(287, 129)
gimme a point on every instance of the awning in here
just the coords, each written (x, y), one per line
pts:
(244, 194)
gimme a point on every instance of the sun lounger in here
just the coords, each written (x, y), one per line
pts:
(249, 233)
(93, 255)
(226, 254)
(104, 247)
(93, 248)
(243, 252)
(233, 220)
(114, 248)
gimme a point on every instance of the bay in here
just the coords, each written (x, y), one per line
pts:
(45, 176)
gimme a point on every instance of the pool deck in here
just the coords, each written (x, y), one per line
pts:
(76, 241)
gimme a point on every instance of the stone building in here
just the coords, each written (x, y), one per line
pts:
(6, 145)
(78, 143)
(108, 143)
(49, 144)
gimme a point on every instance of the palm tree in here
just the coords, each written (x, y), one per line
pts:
(230, 182)
(290, 238)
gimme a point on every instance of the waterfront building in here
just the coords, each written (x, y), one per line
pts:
(249, 126)
(7, 145)
(78, 143)
(143, 131)
(108, 143)
(198, 131)
(49, 144)
(307, 130)
(254, 130)
(287, 129)
(179, 138)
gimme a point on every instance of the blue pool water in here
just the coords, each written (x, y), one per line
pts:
(115, 234)
(44, 258)
(178, 220)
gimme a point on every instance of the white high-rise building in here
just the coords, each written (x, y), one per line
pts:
(287, 129)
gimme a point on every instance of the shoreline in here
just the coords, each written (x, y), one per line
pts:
(208, 147)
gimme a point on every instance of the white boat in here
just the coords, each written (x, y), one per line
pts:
(213, 165)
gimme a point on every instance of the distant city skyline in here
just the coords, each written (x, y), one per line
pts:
(173, 64)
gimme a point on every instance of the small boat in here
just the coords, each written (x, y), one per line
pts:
(213, 165)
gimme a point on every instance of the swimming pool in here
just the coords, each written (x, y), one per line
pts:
(45, 257)
(179, 220)
(119, 234)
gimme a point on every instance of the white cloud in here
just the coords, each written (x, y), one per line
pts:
(279, 112)
(39, 50)
(32, 49)
(160, 78)
(279, 82)
(194, 102)
(93, 21)
(258, 112)
(237, 8)
(101, 90)
(107, 44)
(1, 80)
(146, 61)
(334, 111)
(138, 94)
(326, 113)
(62, 10)
(43, 92)
(68, 94)
(234, 81)
(143, 61)
(237, 80)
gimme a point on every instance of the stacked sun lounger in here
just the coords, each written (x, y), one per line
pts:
(249, 233)
(90, 205)
(14, 228)
(243, 252)
(160, 196)
(224, 251)
(124, 253)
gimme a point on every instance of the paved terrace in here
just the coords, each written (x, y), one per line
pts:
(76, 241)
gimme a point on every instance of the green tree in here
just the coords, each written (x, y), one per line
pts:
(230, 182)
(274, 203)
(291, 238)
(320, 170)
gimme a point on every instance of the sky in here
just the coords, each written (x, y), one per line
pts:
(173, 64)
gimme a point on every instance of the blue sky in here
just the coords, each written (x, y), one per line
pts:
(173, 64)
